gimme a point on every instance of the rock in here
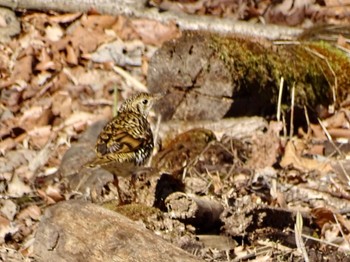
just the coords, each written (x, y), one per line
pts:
(81, 231)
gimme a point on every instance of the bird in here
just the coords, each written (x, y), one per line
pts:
(126, 141)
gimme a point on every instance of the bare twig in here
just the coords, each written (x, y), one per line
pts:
(341, 230)
(280, 99)
(307, 120)
(317, 240)
(298, 227)
(133, 81)
(329, 137)
(291, 130)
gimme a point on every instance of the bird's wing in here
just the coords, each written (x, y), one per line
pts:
(118, 142)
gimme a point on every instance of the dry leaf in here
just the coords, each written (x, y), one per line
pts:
(61, 104)
(64, 18)
(39, 136)
(32, 211)
(96, 79)
(8, 209)
(23, 69)
(72, 55)
(155, 33)
(46, 62)
(292, 157)
(7, 144)
(99, 22)
(322, 215)
(17, 188)
(54, 192)
(35, 116)
(54, 33)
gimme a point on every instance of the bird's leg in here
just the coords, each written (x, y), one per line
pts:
(139, 174)
(116, 184)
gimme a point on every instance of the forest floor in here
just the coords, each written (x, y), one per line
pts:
(276, 197)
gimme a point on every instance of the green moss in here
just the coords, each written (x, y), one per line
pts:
(133, 211)
(258, 68)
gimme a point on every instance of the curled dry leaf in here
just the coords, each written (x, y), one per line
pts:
(35, 116)
(64, 18)
(48, 200)
(39, 136)
(32, 211)
(292, 157)
(54, 192)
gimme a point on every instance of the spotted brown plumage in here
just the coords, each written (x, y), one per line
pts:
(127, 140)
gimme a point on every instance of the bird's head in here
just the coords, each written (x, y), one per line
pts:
(141, 103)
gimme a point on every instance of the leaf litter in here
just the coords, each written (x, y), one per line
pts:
(56, 80)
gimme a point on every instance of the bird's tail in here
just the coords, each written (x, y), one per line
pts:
(96, 162)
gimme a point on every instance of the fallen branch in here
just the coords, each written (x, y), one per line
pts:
(138, 8)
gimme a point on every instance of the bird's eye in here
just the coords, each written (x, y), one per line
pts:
(145, 101)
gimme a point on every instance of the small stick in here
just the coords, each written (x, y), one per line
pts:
(307, 120)
(284, 126)
(280, 99)
(330, 138)
(134, 82)
(298, 227)
(292, 113)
